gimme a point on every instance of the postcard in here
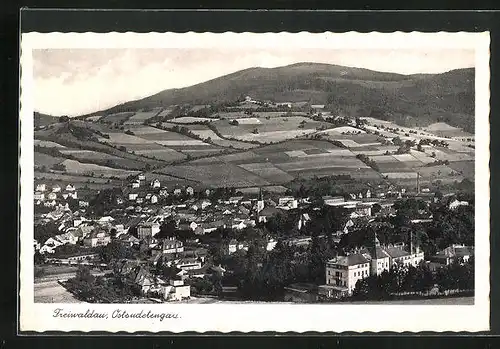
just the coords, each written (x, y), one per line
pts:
(254, 182)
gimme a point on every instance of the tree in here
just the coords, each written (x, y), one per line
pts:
(64, 118)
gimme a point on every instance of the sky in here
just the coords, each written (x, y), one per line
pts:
(80, 81)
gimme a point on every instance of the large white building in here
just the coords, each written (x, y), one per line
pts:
(343, 272)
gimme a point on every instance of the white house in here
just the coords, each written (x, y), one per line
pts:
(456, 204)
(148, 229)
(39, 196)
(132, 196)
(154, 199)
(40, 187)
(155, 183)
(136, 184)
(56, 188)
(142, 177)
(288, 202)
(190, 191)
(52, 196)
(70, 187)
(176, 291)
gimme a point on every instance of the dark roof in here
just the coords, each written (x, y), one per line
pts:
(356, 258)
(395, 252)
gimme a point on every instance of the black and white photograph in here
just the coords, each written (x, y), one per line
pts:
(302, 175)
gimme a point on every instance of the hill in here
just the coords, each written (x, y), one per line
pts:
(410, 100)
(44, 119)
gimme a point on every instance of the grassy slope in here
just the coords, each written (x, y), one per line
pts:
(411, 99)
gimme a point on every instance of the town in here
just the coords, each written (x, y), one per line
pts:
(145, 242)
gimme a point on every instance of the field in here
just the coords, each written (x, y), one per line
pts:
(77, 181)
(76, 167)
(217, 175)
(190, 119)
(139, 117)
(42, 159)
(117, 118)
(264, 130)
(442, 129)
(103, 158)
(48, 144)
(464, 168)
(268, 171)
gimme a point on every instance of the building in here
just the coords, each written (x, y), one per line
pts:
(155, 183)
(41, 187)
(172, 245)
(453, 254)
(39, 196)
(97, 238)
(154, 199)
(333, 200)
(133, 196)
(56, 188)
(343, 272)
(288, 202)
(136, 184)
(147, 230)
(190, 191)
(176, 291)
(70, 187)
(177, 191)
(142, 177)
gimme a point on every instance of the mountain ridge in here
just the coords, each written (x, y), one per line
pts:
(415, 99)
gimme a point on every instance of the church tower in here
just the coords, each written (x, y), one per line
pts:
(260, 202)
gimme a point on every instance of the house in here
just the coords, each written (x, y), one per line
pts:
(156, 183)
(177, 191)
(52, 243)
(303, 219)
(68, 238)
(453, 205)
(52, 196)
(50, 203)
(172, 245)
(190, 191)
(176, 291)
(36, 245)
(333, 200)
(70, 187)
(128, 240)
(188, 263)
(147, 230)
(41, 187)
(343, 272)
(154, 199)
(234, 199)
(133, 196)
(72, 195)
(233, 245)
(56, 188)
(453, 254)
(271, 244)
(39, 196)
(83, 203)
(288, 202)
(97, 238)
(135, 184)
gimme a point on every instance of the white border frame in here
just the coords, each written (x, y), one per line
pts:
(262, 317)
